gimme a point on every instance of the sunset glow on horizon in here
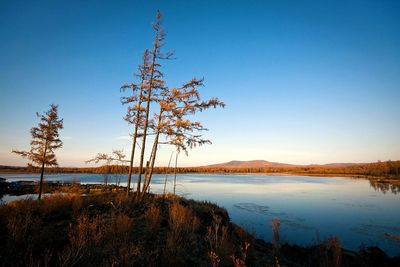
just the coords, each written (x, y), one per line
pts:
(311, 82)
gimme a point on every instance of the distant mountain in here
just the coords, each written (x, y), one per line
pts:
(264, 163)
(250, 164)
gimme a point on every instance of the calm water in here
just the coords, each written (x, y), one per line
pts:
(309, 208)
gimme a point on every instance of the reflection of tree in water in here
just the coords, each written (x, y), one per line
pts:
(385, 186)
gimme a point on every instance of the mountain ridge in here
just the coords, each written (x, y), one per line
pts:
(265, 163)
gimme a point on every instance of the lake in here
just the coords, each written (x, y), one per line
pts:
(309, 208)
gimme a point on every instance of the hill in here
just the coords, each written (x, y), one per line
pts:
(250, 164)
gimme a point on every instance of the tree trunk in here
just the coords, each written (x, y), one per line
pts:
(146, 175)
(149, 170)
(140, 171)
(176, 164)
(128, 185)
(166, 174)
(146, 122)
(41, 181)
(42, 171)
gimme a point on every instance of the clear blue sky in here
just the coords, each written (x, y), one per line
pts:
(304, 81)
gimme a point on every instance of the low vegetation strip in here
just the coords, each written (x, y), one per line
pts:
(386, 169)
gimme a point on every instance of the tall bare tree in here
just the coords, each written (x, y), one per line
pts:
(154, 83)
(135, 110)
(175, 106)
(45, 139)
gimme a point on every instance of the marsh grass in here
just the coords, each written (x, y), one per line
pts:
(153, 216)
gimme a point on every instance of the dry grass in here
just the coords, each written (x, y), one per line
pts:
(182, 219)
(180, 238)
(215, 260)
(61, 202)
(20, 219)
(82, 236)
(153, 216)
(334, 251)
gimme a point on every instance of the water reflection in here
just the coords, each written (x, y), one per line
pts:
(385, 187)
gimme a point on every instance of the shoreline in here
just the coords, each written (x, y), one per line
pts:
(376, 179)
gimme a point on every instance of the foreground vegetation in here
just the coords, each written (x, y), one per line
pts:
(110, 229)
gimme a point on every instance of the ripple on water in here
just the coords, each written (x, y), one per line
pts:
(285, 219)
(296, 224)
(251, 207)
(379, 232)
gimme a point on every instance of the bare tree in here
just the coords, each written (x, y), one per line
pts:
(154, 83)
(119, 161)
(176, 105)
(45, 139)
(117, 157)
(105, 169)
(135, 110)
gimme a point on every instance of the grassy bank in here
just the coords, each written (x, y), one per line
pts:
(109, 229)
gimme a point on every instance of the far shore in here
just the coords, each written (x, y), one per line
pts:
(26, 187)
(380, 178)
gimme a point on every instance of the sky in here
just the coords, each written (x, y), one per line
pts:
(303, 81)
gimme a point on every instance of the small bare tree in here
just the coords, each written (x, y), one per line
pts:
(117, 157)
(105, 169)
(120, 165)
(45, 139)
